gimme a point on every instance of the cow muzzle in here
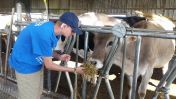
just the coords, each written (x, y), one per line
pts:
(98, 64)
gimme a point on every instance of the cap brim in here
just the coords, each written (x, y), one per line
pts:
(77, 31)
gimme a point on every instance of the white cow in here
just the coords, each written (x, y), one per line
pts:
(155, 52)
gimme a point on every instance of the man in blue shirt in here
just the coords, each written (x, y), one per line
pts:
(33, 48)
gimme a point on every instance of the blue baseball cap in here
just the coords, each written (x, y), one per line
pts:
(72, 20)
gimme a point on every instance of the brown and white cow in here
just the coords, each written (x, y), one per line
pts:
(155, 52)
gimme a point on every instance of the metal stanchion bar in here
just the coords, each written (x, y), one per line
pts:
(108, 59)
(76, 76)
(106, 68)
(97, 87)
(167, 78)
(136, 32)
(84, 89)
(67, 50)
(123, 69)
(85, 46)
(136, 65)
(63, 63)
(70, 84)
(49, 81)
(168, 83)
(110, 92)
(19, 14)
(8, 41)
(58, 80)
(1, 67)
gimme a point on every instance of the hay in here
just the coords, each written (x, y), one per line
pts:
(90, 72)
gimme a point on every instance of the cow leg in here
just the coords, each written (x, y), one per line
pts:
(130, 80)
(143, 85)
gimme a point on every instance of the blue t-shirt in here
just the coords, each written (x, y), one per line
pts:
(34, 42)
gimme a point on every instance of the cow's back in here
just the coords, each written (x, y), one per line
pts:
(155, 52)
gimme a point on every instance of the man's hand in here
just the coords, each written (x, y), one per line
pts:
(80, 70)
(65, 57)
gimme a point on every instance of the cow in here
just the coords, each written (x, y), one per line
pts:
(154, 52)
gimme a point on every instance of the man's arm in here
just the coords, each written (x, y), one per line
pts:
(52, 66)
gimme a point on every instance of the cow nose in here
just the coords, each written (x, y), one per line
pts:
(94, 62)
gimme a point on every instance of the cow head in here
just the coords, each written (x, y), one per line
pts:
(102, 42)
(102, 45)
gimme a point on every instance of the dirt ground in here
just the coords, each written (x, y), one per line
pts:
(102, 94)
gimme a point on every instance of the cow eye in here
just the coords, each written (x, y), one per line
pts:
(110, 43)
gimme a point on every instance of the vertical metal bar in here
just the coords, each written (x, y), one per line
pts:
(136, 65)
(58, 81)
(76, 76)
(49, 81)
(106, 68)
(84, 89)
(19, 16)
(70, 84)
(1, 67)
(62, 63)
(169, 82)
(67, 50)
(111, 52)
(109, 89)
(49, 71)
(8, 41)
(86, 46)
(123, 69)
(107, 63)
(97, 88)
(165, 77)
(9, 32)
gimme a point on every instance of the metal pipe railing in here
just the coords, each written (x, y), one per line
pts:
(136, 32)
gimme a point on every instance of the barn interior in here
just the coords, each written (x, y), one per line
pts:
(15, 14)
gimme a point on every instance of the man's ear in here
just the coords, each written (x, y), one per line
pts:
(63, 25)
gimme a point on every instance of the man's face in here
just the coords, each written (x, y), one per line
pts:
(67, 31)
